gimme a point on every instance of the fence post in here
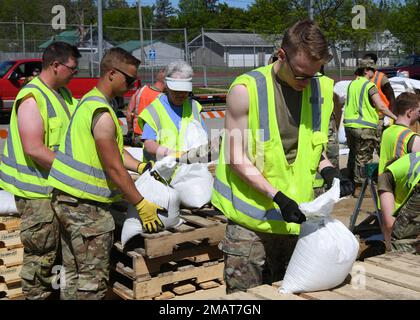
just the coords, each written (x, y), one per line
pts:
(23, 37)
(187, 54)
(152, 47)
(255, 65)
(91, 50)
(203, 57)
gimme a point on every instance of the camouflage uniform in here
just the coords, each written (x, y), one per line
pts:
(361, 142)
(254, 258)
(86, 237)
(333, 147)
(406, 229)
(40, 237)
(333, 155)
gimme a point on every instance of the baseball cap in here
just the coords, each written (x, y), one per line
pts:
(367, 63)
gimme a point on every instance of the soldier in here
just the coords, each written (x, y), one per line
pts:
(361, 120)
(399, 192)
(264, 169)
(40, 116)
(89, 174)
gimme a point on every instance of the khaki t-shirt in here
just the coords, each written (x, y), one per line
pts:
(288, 111)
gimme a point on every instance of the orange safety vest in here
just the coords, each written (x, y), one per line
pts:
(377, 78)
(143, 98)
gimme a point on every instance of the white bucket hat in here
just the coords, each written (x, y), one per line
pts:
(177, 84)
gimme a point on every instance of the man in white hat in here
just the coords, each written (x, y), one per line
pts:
(165, 120)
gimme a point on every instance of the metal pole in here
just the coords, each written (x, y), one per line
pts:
(141, 33)
(255, 64)
(23, 37)
(187, 55)
(203, 57)
(310, 10)
(100, 31)
(152, 47)
(91, 51)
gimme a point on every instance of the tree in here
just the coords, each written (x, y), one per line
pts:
(404, 23)
(116, 4)
(163, 10)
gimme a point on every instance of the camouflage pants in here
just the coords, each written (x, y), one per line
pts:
(41, 240)
(361, 142)
(379, 130)
(254, 258)
(406, 229)
(333, 147)
(87, 238)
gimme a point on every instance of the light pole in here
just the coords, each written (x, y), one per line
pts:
(100, 31)
(141, 33)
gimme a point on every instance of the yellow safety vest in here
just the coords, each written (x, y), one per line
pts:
(358, 112)
(77, 169)
(406, 173)
(19, 174)
(240, 202)
(394, 144)
(167, 133)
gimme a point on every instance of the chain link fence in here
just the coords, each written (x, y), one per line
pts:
(217, 56)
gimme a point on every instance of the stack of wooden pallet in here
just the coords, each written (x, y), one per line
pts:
(173, 262)
(11, 258)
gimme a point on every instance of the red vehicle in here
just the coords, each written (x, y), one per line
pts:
(410, 66)
(14, 72)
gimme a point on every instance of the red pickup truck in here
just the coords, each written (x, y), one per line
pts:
(14, 72)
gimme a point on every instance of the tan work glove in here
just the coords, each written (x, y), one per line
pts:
(144, 166)
(148, 215)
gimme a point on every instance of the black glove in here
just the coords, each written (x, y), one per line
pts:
(289, 208)
(346, 185)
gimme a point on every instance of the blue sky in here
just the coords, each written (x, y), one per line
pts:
(231, 3)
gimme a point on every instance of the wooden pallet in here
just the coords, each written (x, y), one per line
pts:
(139, 266)
(11, 257)
(196, 229)
(392, 276)
(10, 275)
(9, 223)
(10, 239)
(183, 279)
(12, 291)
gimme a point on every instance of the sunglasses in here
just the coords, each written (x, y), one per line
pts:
(129, 80)
(72, 69)
(299, 78)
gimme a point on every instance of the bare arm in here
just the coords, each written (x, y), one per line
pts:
(130, 115)
(337, 110)
(155, 149)
(107, 148)
(324, 162)
(380, 106)
(389, 94)
(31, 131)
(416, 144)
(387, 206)
(236, 139)
(130, 162)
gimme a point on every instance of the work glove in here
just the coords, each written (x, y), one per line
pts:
(148, 213)
(144, 166)
(346, 185)
(289, 208)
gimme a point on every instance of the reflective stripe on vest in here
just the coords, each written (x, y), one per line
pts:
(50, 108)
(244, 207)
(67, 159)
(359, 120)
(316, 101)
(399, 147)
(155, 116)
(414, 160)
(377, 81)
(262, 102)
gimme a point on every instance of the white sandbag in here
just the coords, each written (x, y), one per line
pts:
(7, 203)
(325, 251)
(136, 153)
(165, 167)
(194, 183)
(158, 193)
